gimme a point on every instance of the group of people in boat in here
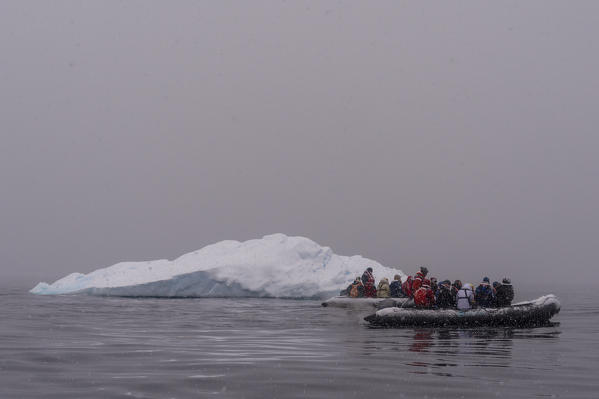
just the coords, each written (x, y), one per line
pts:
(429, 293)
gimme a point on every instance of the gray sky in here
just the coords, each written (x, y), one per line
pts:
(462, 135)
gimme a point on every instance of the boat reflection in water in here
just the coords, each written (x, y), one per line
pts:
(436, 350)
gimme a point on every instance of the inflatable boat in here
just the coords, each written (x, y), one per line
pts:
(523, 314)
(366, 303)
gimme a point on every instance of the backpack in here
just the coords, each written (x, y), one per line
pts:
(355, 291)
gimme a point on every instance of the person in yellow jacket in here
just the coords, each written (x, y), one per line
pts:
(383, 290)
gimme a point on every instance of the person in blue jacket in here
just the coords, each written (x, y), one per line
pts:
(484, 295)
(395, 287)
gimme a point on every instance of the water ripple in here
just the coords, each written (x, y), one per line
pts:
(79, 346)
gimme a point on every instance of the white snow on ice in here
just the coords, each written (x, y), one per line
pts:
(274, 266)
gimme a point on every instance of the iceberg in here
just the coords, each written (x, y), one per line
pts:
(273, 266)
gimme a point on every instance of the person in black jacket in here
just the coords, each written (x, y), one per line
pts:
(445, 298)
(505, 293)
(496, 284)
(455, 287)
(434, 285)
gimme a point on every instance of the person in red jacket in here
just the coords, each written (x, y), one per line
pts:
(418, 278)
(369, 287)
(424, 297)
(406, 287)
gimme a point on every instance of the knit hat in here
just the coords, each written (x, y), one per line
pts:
(506, 281)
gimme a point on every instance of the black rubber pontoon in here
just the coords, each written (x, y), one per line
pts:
(532, 313)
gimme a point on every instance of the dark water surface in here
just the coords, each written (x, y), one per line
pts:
(94, 347)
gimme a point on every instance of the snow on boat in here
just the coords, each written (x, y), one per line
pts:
(533, 313)
(366, 303)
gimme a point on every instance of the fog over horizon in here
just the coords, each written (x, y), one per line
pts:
(462, 136)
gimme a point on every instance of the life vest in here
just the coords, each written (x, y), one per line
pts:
(423, 297)
(407, 287)
(417, 282)
(366, 276)
(370, 289)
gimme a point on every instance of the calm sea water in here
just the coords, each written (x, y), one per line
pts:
(93, 347)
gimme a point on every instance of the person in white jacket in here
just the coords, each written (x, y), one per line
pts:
(465, 297)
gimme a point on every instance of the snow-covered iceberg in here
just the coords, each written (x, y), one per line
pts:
(274, 266)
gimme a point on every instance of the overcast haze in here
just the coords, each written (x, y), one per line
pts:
(461, 135)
